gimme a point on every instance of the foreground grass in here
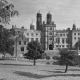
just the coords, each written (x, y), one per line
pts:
(17, 70)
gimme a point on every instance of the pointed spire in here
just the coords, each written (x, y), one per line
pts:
(32, 26)
(74, 27)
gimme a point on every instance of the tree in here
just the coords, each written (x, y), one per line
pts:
(34, 51)
(67, 57)
(6, 11)
(6, 44)
(77, 45)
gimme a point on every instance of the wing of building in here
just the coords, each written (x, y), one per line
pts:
(22, 37)
(54, 39)
(47, 34)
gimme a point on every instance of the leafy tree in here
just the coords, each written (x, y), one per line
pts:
(77, 45)
(6, 44)
(34, 51)
(12, 31)
(7, 11)
(67, 57)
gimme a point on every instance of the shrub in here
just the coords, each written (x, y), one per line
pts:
(55, 63)
(47, 57)
(68, 56)
(55, 58)
(47, 62)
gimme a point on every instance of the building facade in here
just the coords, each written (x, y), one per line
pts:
(75, 36)
(54, 39)
(45, 33)
(22, 38)
(61, 39)
(49, 32)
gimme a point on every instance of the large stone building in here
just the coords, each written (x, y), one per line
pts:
(61, 39)
(22, 37)
(47, 34)
(47, 30)
(54, 39)
(75, 35)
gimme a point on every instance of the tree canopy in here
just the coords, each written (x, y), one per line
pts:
(67, 57)
(34, 50)
(6, 44)
(7, 11)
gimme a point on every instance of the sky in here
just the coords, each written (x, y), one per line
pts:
(64, 12)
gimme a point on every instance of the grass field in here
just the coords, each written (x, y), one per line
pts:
(24, 70)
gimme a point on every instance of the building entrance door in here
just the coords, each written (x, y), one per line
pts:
(50, 47)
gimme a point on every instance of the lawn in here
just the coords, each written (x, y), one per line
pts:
(17, 70)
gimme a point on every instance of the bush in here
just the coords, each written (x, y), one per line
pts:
(55, 58)
(47, 62)
(47, 57)
(68, 56)
(55, 63)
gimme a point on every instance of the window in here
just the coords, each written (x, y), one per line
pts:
(56, 45)
(74, 33)
(63, 40)
(75, 38)
(27, 39)
(67, 35)
(63, 34)
(67, 40)
(50, 28)
(58, 40)
(26, 47)
(59, 45)
(78, 33)
(24, 42)
(63, 46)
(32, 34)
(19, 42)
(32, 39)
(60, 34)
(36, 39)
(78, 38)
(50, 33)
(22, 48)
(56, 34)
(50, 38)
(67, 46)
(27, 34)
(36, 34)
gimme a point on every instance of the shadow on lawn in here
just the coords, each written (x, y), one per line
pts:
(53, 71)
(3, 79)
(37, 76)
(70, 69)
(15, 64)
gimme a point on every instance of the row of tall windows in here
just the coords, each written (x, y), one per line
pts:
(63, 40)
(62, 34)
(32, 39)
(76, 38)
(32, 34)
(76, 33)
(63, 46)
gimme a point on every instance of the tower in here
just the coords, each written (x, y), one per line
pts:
(31, 27)
(49, 18)
(39, 21)
(74, 27)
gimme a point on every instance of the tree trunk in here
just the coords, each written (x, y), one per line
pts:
(34, 62)
(66, 68)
